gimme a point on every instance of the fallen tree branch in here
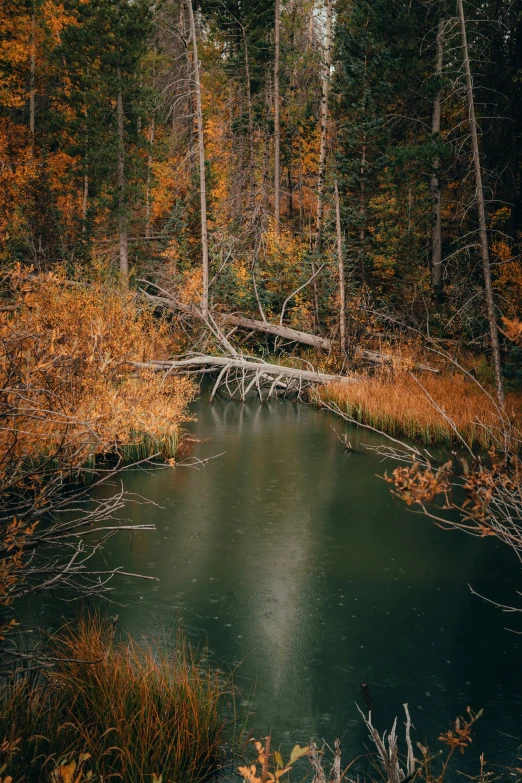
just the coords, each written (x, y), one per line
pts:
(277, 330)
(244, 363)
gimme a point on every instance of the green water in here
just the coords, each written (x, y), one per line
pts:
(294, 564)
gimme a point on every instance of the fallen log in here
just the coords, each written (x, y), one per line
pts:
(283, 332)
(273, 370)
(240, 374)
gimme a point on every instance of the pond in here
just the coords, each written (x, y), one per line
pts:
(291, 560)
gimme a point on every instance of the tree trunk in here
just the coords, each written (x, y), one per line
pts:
(32, 77)
(324, 129)
(149, 178)
(436, 237)
(85, 203)
(273, 370)
(362, 217)
(277, 122)
(202, 173)
(252, 162)
(484, 250)
(122, 216)
(342, 284)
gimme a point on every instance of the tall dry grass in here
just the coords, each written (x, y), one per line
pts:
(138, 711)
(399, 404)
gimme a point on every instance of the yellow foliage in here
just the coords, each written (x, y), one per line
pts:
(71, 349)
(509, 277)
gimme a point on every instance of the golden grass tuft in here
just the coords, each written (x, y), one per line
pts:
(138, 711)
(399, 406)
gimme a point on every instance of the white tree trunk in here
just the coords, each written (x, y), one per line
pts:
(202, 173)
(277, 122)
(484, 250)
(324, 128)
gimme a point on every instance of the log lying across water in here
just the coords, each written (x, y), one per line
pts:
(277, 371)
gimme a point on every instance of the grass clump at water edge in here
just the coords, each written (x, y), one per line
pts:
(138, 711)
(401, 406)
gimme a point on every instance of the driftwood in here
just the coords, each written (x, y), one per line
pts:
(240, 375)
(277, 330)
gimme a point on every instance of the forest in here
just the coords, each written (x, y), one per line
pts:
(210, 207)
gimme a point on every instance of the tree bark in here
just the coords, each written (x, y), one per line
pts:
(276, 370)
(324, 129)
(149, 178)
(252, 162)
(85, 203)
(277, 121)
(342, 284)
(122, 216)
(202, 173)
(362, 217)
(436, 236)
(32, 77)
(484, 250)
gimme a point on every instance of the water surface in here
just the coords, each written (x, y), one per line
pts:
(292, 561)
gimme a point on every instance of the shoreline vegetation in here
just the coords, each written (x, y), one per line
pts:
(128, 711)
(427, 408)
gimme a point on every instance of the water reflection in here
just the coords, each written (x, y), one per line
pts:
(294, 563)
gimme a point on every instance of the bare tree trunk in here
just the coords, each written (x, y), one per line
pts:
(149, 178)
(202, 174)
(362, 217)
(252, 173)
(301, 194)
(122, 216)
(32, 77)
(324, 128)
(266, 150)
(290, 193)
(342, 284)
(484, 250)
(85, 203)
(277, 122)
(436, 235)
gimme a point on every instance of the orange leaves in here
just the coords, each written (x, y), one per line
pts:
(513, 330)
(459, 736)
(73, 346)
(417, 485)
(72, 772)
(250, 773)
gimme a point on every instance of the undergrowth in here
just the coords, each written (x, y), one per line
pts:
(137, 710)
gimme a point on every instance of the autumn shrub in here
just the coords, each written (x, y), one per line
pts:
(137, 710)
(69, 380)
(429, 407)
(72, 393)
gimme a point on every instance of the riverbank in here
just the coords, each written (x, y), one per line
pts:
(116, 708)
(426, 407)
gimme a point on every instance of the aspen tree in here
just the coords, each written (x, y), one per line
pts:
(202, 176)
(325, 85)
(277, 121)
